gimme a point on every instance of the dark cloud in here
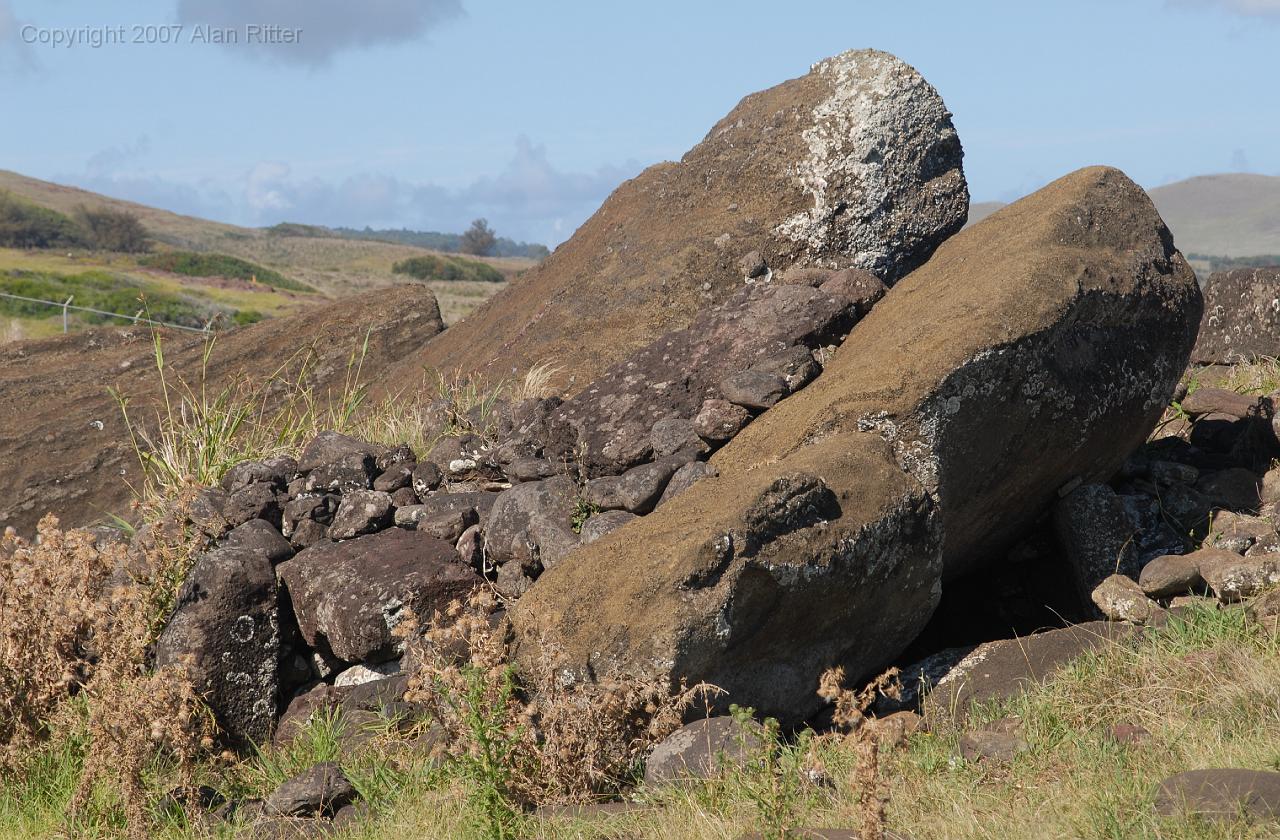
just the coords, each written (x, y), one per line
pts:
(529, 199)
(15, 54)
(328, 27)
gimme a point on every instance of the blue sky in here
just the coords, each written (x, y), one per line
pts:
(428, 113)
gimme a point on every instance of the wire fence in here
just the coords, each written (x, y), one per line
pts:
(66, 306)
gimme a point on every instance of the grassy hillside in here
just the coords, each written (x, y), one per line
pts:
(124, 284)
(332, 265)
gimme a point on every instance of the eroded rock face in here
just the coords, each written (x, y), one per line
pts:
(1037, 347)
(610, 426)
(855, 164)
(1241, 316)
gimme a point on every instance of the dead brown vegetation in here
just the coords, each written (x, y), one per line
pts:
(79, 616)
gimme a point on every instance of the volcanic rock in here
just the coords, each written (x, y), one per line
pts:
(349, 596)
(1037, 347)
(226, 623)
(1241, 316)
(855, 164)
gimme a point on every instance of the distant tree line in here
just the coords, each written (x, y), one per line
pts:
(24, 224)
(450, 243)
(1228, 263)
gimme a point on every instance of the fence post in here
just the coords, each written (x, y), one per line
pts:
(65, 304)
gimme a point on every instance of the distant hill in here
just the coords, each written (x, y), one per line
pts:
(982, 209)
(1234, 215)
(324, 260)
(1217, 220)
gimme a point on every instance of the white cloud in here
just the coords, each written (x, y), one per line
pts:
(529, 199)
(116, 158)
(328, 27)
(1248, 8)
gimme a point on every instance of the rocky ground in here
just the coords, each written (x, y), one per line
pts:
(834, 438)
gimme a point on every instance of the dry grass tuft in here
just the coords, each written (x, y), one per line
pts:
(537, 383)
(200, 431)
(1257, 376)
(850, 713)
(13, 330)
(51, 610)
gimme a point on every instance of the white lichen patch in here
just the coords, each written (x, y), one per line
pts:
(865, 148)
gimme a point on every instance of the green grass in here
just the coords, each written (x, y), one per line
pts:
(98, 290)
(47, 271)
(330, 265)
(1206, 686)
(1208, 689)
(447, 269)
(220, 265)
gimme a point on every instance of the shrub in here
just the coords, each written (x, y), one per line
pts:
(113, 230)
(295, 229)
(194, 264)
(244, 317)
(447, 269)
(27, 225)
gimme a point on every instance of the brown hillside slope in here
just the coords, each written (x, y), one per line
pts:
(63, 443)
(855, 163)
(188, 231)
